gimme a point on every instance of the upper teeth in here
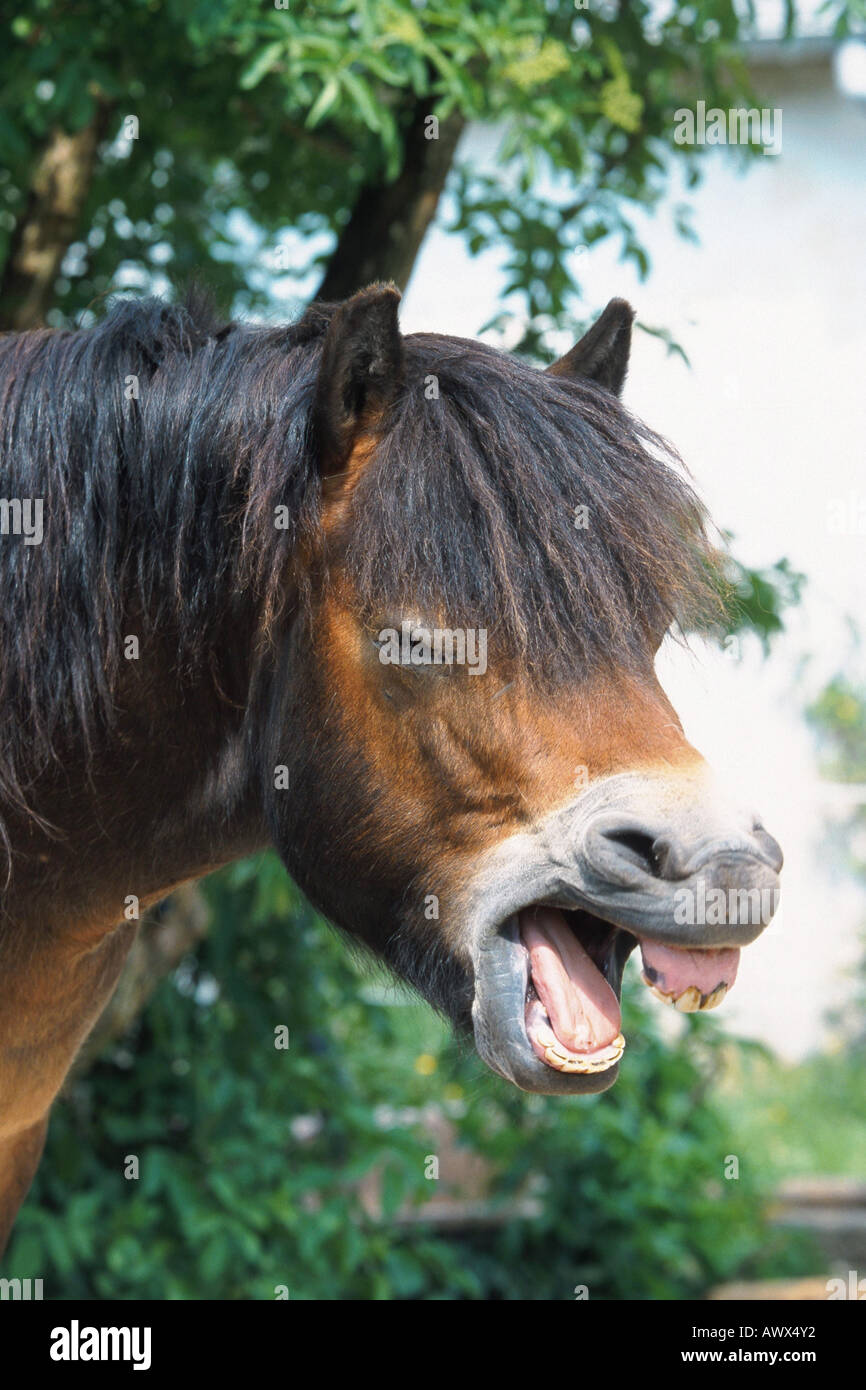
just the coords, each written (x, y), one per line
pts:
(691, 1000)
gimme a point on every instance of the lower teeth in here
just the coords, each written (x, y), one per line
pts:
(567, 1061)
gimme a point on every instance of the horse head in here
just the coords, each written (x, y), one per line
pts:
(482, 777)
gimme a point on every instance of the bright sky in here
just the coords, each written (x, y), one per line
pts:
(771, 419)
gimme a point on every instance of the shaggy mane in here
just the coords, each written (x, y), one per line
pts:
(164, 505)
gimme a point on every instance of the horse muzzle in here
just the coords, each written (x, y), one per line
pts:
(663, 864)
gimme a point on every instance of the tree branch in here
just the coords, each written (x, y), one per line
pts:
(383, 235)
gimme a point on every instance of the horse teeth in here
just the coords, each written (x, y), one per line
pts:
(665, 998)
(711, 1000)
(561, 1060)
(691, 1000)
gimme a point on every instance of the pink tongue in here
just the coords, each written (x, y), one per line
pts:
(672, 969)
(583, 1010)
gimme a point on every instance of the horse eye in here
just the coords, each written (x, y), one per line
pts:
(416, 658)
(405, 647)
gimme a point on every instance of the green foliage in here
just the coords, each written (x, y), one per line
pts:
(838, 720)
(636, 1202)
(758, 598)
(804, 1119)
(255, 119)
(250, 1156)
(838, 717)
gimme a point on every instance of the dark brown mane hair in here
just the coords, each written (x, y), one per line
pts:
(165, 504)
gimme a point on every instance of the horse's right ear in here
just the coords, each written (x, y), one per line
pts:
(602, 353)
(360, 374)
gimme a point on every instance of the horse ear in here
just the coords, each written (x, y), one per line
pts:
(602, 352)
(360, 373)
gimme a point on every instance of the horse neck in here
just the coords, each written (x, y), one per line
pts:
(165, 793)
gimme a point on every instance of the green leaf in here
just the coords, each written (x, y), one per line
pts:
(369, 111)
(262, 64)
(324, 102)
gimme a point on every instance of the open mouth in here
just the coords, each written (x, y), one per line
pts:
(574, 963)
(555, 911)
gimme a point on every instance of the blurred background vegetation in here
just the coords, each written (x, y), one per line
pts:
(306, 1167)
(275, 153)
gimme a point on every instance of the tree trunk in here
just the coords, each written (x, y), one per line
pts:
(383, 235)
(59, 188)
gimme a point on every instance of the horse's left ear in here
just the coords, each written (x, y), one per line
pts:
(602, 352)
(360, 373)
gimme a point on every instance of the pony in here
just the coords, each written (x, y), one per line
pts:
(389, 603)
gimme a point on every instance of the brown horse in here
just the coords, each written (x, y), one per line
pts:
(390, 604)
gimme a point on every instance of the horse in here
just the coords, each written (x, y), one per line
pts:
(388, 603)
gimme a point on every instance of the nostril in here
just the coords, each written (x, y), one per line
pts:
(616, 847)
(640, 849)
